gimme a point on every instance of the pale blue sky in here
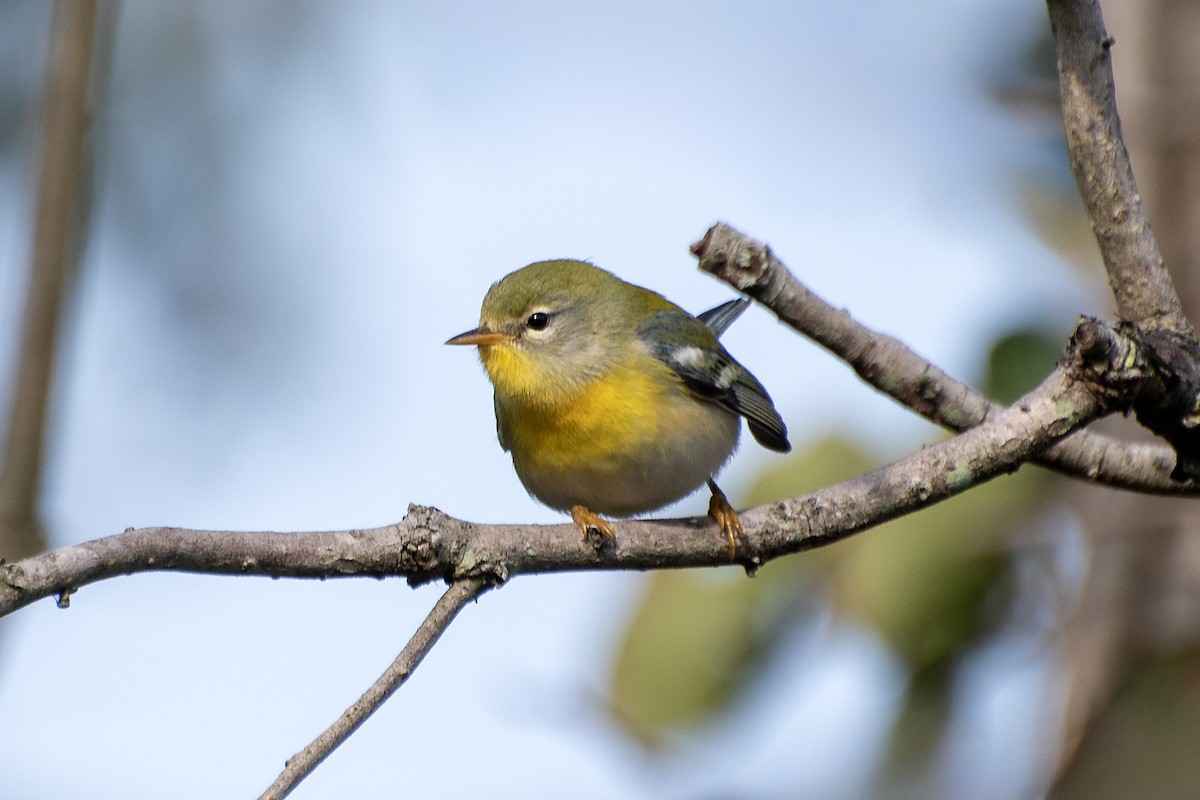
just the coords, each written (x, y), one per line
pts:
(296, 206)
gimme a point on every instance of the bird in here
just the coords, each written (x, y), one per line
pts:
(611, 399)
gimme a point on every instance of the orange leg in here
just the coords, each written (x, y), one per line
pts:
(725, 516)
(593, 525)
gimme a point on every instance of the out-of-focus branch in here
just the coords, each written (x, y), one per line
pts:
(300, 765)
(895, 369)
(60, 210)
(1140, 284)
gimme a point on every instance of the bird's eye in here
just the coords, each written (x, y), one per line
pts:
(538, 321)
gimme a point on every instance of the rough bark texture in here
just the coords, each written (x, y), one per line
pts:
(1140, 284)
(1146, 363)
(428, 545)
(1138, 601)
(893, 368)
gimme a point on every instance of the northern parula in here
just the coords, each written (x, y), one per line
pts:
(612, 399)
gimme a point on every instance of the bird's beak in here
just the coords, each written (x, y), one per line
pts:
(483, 336)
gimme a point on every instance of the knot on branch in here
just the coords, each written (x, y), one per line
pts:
(437, 546)
(12, 577)
(419, 554)
(1109, 361)
(1154, 373)
(732, 257)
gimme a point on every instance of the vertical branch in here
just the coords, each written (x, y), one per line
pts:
(59, 217)
(1140, 552)
(1140, 284)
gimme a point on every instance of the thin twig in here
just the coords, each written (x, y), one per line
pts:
(895, 369)
(444, 611)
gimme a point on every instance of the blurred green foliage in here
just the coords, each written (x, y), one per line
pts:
(935, 585)
(698, 638)
(1019, 361)
(932, 585)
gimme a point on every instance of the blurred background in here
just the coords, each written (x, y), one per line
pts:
(283, 209)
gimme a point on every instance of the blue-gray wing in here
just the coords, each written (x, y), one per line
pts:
(689, 346)
(724, 315)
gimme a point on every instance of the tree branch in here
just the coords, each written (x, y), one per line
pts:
(1145, 296)
(893, 368)
(1102, 369)
(60, 213)
(1139, 280)
(444, 611)
(427, 544)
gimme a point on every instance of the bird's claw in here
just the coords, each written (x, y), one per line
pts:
(595, 529)
(726, 518)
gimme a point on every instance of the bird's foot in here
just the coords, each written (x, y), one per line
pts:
(596, 530)
(726, 518)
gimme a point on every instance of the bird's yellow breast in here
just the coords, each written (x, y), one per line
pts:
(629, 440)
(557, 424)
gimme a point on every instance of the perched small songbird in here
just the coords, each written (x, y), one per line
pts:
(612, 399)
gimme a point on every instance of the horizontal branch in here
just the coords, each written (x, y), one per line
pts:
(428, 545)
(896, 370)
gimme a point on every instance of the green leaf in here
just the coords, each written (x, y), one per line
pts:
(1020, 361)
(930, 583)
(684, 652)
(917, 733)
(697, 638)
